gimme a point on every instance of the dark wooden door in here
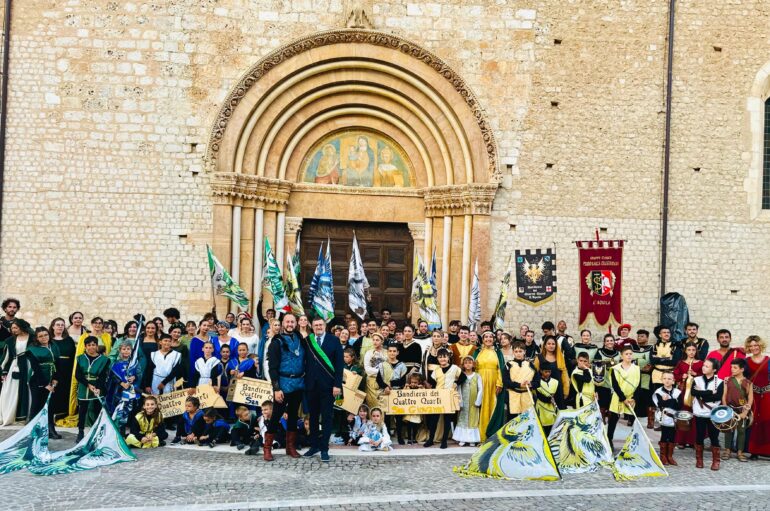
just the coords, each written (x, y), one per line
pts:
(386, 251)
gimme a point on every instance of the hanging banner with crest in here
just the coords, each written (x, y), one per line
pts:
(601, 273)
(535, 276)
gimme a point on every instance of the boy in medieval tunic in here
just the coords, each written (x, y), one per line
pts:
(642, 358)
(520, 377)
(92, 370)
(582, 380)
(391, 376)
(549, 396)
(471, 390)
(707, 391)
(625, 379)
(463, 347)
(738, 395)
(666, 400)
(664, 357)
(443, 377)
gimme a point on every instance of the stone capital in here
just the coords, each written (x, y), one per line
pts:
(457, 200)
(417, 230)
(292, 224)
(250, 191)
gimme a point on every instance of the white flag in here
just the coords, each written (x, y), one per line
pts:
(474, 309)
(358, 285)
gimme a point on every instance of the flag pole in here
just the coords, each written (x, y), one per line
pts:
(211, 283)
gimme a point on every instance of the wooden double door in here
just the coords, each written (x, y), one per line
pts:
(386, 250)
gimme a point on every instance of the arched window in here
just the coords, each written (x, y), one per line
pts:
(766, 159)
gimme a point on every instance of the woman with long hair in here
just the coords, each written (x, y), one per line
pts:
(76, 328)
(42, 356)
(757, 372)
(685, 372)
(14, 396)
(65, 362)
(490, 366)
(553, 356)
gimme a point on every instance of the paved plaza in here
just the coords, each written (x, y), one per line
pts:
(198, 478)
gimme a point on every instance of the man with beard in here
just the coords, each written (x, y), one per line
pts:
(422, 330)
(725, 354)
(11, 307)
(287, 361)
(691, 329)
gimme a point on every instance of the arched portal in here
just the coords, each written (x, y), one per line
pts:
(356, 126)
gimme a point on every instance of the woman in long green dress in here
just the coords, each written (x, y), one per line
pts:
(43, 380)
(14, 397)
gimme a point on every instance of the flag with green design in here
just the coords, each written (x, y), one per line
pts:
(273, 281)
(224, 284)
(293, 290)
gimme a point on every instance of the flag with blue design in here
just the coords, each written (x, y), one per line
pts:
(517, 451)
(323, 300)
(424, 295)
(224, 284)
(316, 276)
(293, 291)
(474, 308)
(273, 281)
(433, 273)
(358, 285)
(637, 458)
(502, 300)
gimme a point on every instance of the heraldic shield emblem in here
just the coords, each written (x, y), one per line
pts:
(601, 282)
(535, 276)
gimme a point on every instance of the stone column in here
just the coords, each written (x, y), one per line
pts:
(466, 268)
(235, 252)
(280, 227)
(292, 225)
(259, 245)
(427, 239)
(445, 260)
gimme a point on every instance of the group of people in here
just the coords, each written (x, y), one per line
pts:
(497, 375)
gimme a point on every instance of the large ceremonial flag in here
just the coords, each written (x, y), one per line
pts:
(316, 276)
(424, 295)
(358, 285)
(535, 276)
(293, 290)
(601, 278)
(517, 451)
(474, 308)
(323, 300)
(273, 281)
(502, 300)
(578, 441)
(637, 458)
(433, 273)
(26, 445)
(223, 283)
(101, 447)
(295, 259)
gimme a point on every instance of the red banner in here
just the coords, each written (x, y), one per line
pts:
(601, 278)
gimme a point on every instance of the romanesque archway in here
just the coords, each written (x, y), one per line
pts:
(354, 125)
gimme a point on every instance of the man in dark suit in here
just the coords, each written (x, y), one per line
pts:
(323, 383)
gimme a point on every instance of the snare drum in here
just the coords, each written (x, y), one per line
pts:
(683, 420)
(724, 418)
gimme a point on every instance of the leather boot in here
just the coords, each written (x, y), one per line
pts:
(698, 456)
(267, 449)
(715, 458)
(291, 444)
(671, 460)
(664, 453)
(650, 418)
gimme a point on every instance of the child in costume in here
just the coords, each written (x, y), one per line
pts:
(470, 386)
(442, 377)
(549, 396)
(375, 435)
(190, 424)
(215, 429)
(666, 400)
(146, 429)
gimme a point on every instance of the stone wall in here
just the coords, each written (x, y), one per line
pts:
(107, 205)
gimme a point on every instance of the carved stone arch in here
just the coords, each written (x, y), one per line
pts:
(340, 81)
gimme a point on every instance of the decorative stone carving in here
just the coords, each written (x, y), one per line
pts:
(292, 224)
(417, 230)
(455, 200)
(358, 14)
(359, 36)
(250, 191)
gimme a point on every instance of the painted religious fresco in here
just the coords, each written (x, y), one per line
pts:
(358, 158)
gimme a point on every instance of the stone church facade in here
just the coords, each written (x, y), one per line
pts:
(140, 132)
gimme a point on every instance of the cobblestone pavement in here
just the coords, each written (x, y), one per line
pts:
(200, 479)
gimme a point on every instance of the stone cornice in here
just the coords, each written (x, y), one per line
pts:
(360, 36)
(455, 200)
(250, 191)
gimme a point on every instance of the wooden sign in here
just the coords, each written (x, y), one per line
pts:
(420, 401)
(350, 400)
(249, 391)
(351, 379)
(172, 404)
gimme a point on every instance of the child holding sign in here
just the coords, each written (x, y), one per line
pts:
(190, 424)
(471, 391)
(442, 377)
(392, 375)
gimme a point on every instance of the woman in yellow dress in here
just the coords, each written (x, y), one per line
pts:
(489, 364)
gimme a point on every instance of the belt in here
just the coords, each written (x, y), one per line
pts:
(761, 390)
(290, 375)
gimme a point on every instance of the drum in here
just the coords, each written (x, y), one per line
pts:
(724, 418)
(683, 420)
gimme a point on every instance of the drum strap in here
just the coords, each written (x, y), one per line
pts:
(740, 388)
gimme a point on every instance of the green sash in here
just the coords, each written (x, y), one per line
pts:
(321, 354)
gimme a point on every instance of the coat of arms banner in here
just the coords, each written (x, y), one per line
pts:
(601, 271)
(535, 276)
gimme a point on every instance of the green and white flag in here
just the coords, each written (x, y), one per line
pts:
(502, 301)
(273, 281)
(293, 291)
(103, 446)
(28, 444)
(223, 283)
